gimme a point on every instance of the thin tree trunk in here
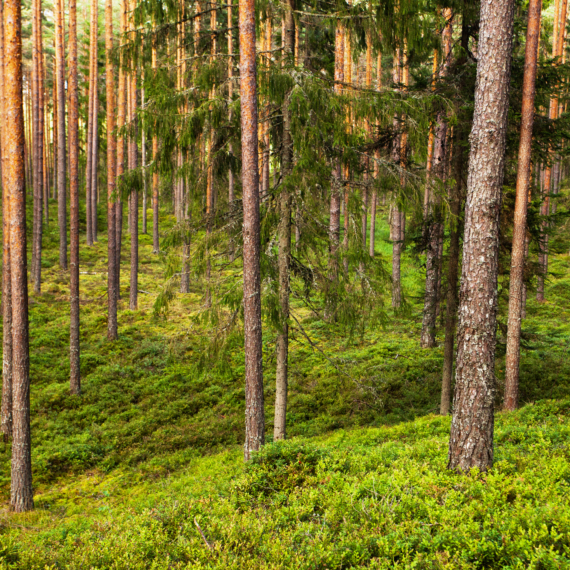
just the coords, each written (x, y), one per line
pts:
(231, 182)
(336, 186)
(121, 117)
(516, 289)
(37, 145)
(145, 182)
(6, 414)
(112, 333)
(21, 493)
(434, 214)
(90, 121)
(254, 407)
(95, 136)
(471, 438)
(61, 146)
(45, 130)
(284, 231)
(395, 229)
(75, 375)
(155, 237)
(134, 196)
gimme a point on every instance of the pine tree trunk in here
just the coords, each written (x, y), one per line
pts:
(145, 182)
(336, 186)
(112, 333)
(254, 411)
(516, 289)
(155, 237)
(121, 117)
(134, 196)
(61, 146)
(21, 493)
(395, 230)
(75, 375)
(6, 413)
(434, 220)
(37, 145)
(231, 181)
(284, 255)
(471, 438)
(95, 138)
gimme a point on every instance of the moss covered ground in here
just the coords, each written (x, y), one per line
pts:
(144, 470)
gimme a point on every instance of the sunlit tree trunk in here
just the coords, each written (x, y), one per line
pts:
(133, 164)
(231, 181)
(155, 237)
(75, 376)
(6, 413)
(21, 494)
(61, 146)
(516, 287)
(37, 144)
(254, 404)
(471, 438)
(112, 285)
(336, 186)
(284, 232)
(374, 201)
(143, 157)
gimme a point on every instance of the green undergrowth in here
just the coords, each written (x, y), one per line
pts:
(154, 440)
(367, 497)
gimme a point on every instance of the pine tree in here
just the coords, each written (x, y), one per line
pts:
(21, 494)
(112, 274)
(254, 411)
(73, 125)
(61, 146)
(471, 438)
(522, 190)
(7, 362)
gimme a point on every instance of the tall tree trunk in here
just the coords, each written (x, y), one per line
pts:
(557, 50)
(254, 404)
(61, 146)
(231, 181)
(95, 137)
(90, 121)
(134, 196)
(516, 289)
(336, 186)
(471, 438)
(395, 226)
(121, 117)
(112, 333)
(373, 204)
(75, 375)
(21, 494)
(143, 157)
(6, 414)
(284, 255)
(155, 237)
(37, 145)
(45, 130)
(433, 208)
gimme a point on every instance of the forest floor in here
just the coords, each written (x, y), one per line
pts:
(144, 469)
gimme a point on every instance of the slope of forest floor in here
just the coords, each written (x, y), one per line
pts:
(154, 440)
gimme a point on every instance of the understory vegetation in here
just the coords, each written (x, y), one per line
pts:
(145, 469)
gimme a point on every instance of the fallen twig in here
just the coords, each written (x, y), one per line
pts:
(203, 536)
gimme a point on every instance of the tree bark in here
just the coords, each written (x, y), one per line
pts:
(21, 493)
(61, 146)
(231, 181)
(134, 196)
(516, 289)
(471, 438)
(145, 183)
(112, 333)
(433, 207)
(254, 413)
(336, 186)
(95, 137)
(37, 145)
(284, 231)
(395, 229)
(155, 236)
(6, 413)
(75, 374)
